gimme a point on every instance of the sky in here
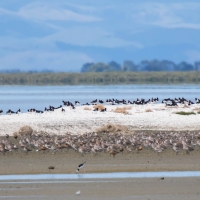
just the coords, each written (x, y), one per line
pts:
(63, 35)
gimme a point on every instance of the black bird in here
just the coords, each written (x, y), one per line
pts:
(10, 112)
(65, 102)
(104, 110)
(39, 111)
(50, 109)
(31, 110)
(72, 106)
(94, 101)
(57, 107)
(18, 111)
(46, 109)
(100, 101)
(77, 103)
(190, 102)
(80, 166)
(51, 167)
(96, 109)
(197, 100)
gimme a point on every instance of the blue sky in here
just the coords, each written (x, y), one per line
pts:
(63, 35)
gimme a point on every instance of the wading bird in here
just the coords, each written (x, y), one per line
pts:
(80, 167)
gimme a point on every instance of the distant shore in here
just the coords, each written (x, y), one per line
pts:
(101, 78)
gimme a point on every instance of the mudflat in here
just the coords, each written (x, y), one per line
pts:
(66, 161)
(138, 188)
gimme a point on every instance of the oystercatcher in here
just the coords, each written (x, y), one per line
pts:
(77, 103)
(95, 110)
(103, 110)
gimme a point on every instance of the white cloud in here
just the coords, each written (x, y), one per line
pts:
(39, 11)
(49, 11)
(82, 8)
(168, 15)
(89, 36)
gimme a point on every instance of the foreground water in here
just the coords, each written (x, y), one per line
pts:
(101, 175)
(26, 97)
(126, 186)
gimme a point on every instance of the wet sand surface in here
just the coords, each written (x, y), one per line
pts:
(142, 189)
(67, 161)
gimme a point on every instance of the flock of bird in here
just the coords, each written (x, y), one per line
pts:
(178, 101)
(168, 102)
(94, 143)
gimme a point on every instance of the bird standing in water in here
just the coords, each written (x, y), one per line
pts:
(80, 166)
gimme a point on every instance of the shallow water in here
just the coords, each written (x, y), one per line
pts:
(26, 97)
(117, 175)
(116, 186)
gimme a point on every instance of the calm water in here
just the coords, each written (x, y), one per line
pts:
(100, 175)
(25, 97)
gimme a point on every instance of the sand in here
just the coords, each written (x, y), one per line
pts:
(67, 161)
(126, 188)
(142, 189)
(79, 121)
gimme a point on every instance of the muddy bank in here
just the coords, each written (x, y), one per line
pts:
(67, 161)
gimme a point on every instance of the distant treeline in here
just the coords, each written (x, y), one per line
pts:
(145, 65)
(104, 78)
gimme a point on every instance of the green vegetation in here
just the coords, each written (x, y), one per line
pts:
(101, 78)
(185, 113)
